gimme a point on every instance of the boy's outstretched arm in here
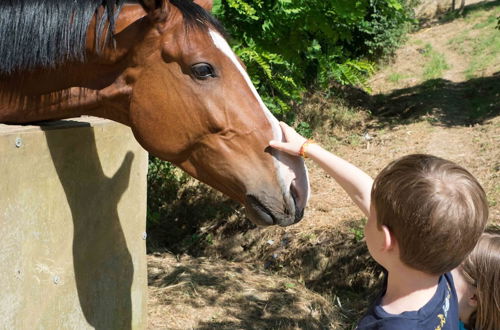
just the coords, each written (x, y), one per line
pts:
(354, 181)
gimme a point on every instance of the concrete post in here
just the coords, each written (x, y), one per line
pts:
(72, 226)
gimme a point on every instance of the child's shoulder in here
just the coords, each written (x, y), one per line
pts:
(441, 312)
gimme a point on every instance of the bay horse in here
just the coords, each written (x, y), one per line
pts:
(164, 68)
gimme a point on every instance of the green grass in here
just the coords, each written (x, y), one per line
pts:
(435, 65)
(396, 77)
(354, 140)
(481, 44)
(461, 43)
(485, 50)
(491, 21)
(417, 42)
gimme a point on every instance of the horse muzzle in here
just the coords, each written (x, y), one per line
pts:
(266, 211)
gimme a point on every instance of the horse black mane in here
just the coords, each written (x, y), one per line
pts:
(45, 33)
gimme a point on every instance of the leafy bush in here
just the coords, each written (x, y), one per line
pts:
(291, 45)
(383, 29)
(164, 181)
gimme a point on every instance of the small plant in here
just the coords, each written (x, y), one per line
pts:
(354, 139)
(359, 230)
(209, 238)
(304, 129)
(395, 77)
(309, 237)
(436, 65)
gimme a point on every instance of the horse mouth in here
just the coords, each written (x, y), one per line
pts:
(258, 212)
(261, 214)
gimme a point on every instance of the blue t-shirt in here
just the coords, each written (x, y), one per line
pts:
(440, 313)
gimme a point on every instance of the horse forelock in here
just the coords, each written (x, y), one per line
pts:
(196, 16)
(46, 33)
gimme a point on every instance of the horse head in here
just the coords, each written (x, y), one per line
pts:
(193, 104)
(169, 74)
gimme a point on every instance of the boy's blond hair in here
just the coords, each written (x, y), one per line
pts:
(435, 209)
(481, 269)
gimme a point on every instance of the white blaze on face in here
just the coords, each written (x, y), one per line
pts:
(286, 164)
(222, 44)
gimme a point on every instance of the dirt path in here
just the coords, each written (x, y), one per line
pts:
(458, 43)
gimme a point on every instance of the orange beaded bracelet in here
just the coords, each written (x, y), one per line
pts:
(303, 148)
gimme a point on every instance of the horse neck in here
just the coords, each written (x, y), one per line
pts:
(95, 87)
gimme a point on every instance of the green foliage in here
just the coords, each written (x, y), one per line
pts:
(164, 181)
(197, 239)
(383, 30)
(359, 230)
(291, 45)
(304, 129)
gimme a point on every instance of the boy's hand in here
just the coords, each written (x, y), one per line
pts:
(293, 140)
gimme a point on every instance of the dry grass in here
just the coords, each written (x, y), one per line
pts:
(204, 293)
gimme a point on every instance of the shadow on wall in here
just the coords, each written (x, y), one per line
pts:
(102, 263)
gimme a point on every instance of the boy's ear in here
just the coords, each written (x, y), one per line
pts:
(389, 240)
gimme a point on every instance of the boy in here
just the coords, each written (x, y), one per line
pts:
(425, 214)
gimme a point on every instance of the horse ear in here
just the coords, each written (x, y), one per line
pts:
(156, 9)
(207, 4)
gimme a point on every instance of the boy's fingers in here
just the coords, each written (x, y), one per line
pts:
(283, 127)
(275, 144)
(280, 146)
(283, 146)
(287, 130)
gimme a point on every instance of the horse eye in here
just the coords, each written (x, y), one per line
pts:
(203, 71)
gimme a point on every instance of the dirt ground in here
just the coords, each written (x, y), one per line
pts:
(209, 268)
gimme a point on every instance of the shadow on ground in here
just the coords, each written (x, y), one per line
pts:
(439, 101)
